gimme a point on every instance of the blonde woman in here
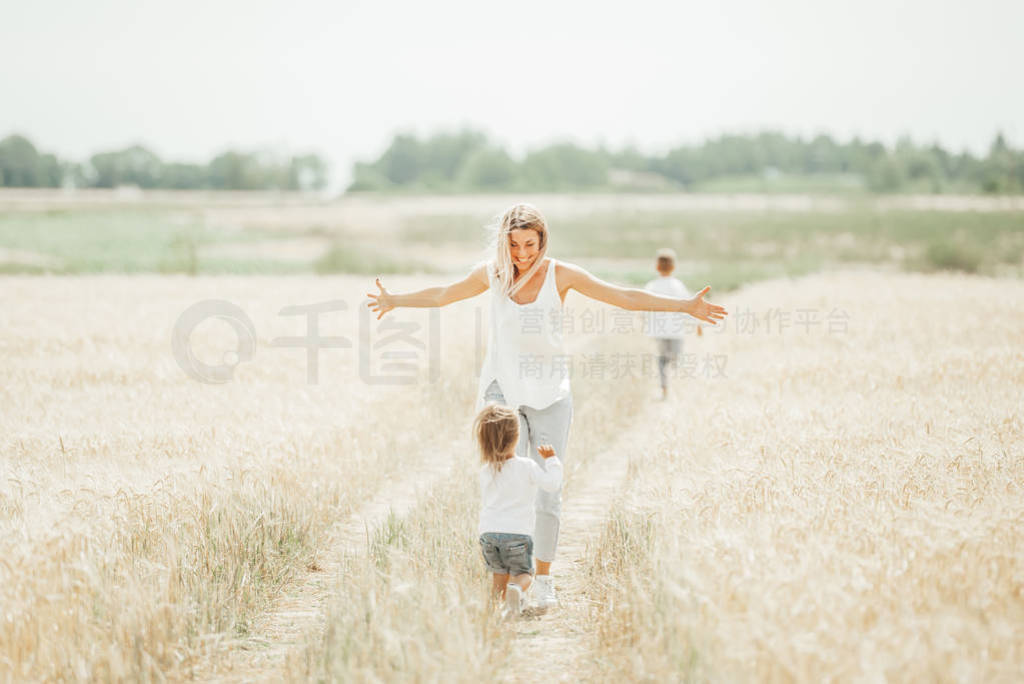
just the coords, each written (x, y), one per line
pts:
(524, 367)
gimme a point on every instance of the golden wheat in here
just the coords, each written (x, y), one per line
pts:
(845, 508)
(844, 504)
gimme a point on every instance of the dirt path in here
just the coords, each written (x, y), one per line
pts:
(549, 645)
(301, 610)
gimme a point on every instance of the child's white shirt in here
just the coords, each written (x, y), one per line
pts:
(666, 324)
(508, 497)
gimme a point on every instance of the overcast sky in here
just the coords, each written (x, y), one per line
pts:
(190, 78)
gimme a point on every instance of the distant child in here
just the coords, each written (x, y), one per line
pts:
(508, 494)
(666, 327)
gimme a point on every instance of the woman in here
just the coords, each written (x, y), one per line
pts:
(525, 365)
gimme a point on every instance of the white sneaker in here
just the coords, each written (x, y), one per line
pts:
(514, 599)
(544, 591)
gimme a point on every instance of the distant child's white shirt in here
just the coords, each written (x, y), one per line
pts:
(666, 324)
(508, 497)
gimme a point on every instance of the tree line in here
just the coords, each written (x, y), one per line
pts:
(468, 162)
(22, 165)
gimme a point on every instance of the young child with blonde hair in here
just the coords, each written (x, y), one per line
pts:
(508, 493)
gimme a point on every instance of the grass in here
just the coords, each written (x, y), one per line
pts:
(830, 518)
(784, 183)
(149, 521)
(16, 268)
(352, 258)
(168, 566)
(144, 240)
(733, 248)
(91, 241)
(415, 605)
(946, 255)
(414, 608)
(841, 505)
(728, 248)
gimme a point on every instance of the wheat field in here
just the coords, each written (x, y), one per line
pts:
(832, 492)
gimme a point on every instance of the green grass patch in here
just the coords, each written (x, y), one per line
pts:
(356, 259)
(16, 268)
(740, 247)
(148, 240)
(733, 247)
(953, 256)
(832, 184)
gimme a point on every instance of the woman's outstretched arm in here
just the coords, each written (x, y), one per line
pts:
(634, 299)
(470, 286)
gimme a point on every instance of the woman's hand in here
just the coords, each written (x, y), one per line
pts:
(705, 311)
(546, 450)
(382, 302)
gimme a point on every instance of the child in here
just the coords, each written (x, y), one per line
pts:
(667, 328)
(508, 492)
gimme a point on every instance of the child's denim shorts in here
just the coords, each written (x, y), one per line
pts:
(510, 554)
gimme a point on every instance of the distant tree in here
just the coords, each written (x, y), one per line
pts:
(685, 165)
(368, 178)
(823, 155)
(402, 162)
(21, 165)
(178, 176)
(233, 170)
(885, 175)
(779, 152)
(563, 166)
(134, 165)
(237, 170)
(1003, 170)
(446, 153)
(906, 167)
(436, 163)
(924, 167)
(488, 168)
(863, 157)
(730, 155)
(628, 158)
(51, 171)
(466, 161)
(942, 159)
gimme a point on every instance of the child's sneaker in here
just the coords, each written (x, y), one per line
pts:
(514, 599)
(544, 591)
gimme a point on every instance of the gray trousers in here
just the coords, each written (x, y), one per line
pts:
(668, 352)
(536, 427)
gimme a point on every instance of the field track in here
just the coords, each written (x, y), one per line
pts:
(845, 500)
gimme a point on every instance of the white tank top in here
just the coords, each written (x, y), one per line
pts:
(524, 348)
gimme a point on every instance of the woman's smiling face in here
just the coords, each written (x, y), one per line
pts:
(523, 246)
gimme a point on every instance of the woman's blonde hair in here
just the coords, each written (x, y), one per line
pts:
(497, 431)
(517, 217)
